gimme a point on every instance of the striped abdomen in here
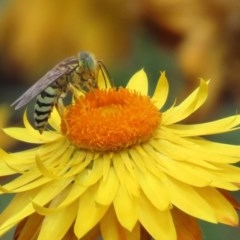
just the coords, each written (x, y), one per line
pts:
(46, 100)
(43, 107)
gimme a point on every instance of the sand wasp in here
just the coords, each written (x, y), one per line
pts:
(80, 72)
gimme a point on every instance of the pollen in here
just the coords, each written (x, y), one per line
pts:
(110, 120)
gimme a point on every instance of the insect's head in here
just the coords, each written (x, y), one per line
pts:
(87, 71)
(87, 62)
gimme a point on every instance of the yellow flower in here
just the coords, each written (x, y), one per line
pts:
(117, 167)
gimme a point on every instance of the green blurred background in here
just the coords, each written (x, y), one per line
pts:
(187, 39)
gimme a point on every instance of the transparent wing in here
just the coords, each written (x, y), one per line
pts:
(64, 67)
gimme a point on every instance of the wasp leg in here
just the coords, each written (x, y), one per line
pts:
(60, 106)
(76, 93)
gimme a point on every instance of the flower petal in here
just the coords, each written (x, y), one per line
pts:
(224, 211)
(124, 203)
(60, 221)
(139, 82)
(23, 135)
(180, 149)
(19, 208)
(116, 231)
(228, 173)
(158, 223)
(161, 91)
(79, 161)
(6, 162)
(104, 81)
(55, 120)
(223, 125)
(188, 106)
(89, 177)
(176, 169)
(107, 188)
(89, 212)
(188, 200)
(149, 183)
(125, 208)
(128, 170)
(73, 192)
(26, 182)
(29, 134)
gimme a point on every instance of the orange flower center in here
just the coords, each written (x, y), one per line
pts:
(110, 120)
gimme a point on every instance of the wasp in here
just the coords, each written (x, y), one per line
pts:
(79, 71)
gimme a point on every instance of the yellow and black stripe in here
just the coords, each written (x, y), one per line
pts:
(43, 107)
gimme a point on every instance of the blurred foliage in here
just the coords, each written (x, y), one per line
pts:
(205, 37)
(36, 34)
(187, 38)
(5, 141)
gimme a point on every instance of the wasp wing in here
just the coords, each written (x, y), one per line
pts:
(64, 67)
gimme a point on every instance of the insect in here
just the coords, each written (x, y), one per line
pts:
(80, 72)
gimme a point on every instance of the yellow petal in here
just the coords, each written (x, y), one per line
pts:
(226, 153)
(107, 188)
(89, 212)
(6, 161)
(29, 134)
(68, 196)
(23, 134)
(23, 160)
(116, 231)
(190, 149)
(136, 154)
(224, 211)
(180, 151)
(159, 224)
(104, 81)
(50, 190)
(26, 182)
(19, 208)
(161, 91)
(44, 170)
(223, 125)
(56, 225)
(175, 169)
(55, 120)
(75, 192)
(48, 156)
(129, 179)
(228, 173)
(210, 177)
(89, 177)
(188, 106)
(46, 136)
(139, 82)
(189, 201)
(154, 190)
(126, 208)
(79, 161)
(106, 159)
